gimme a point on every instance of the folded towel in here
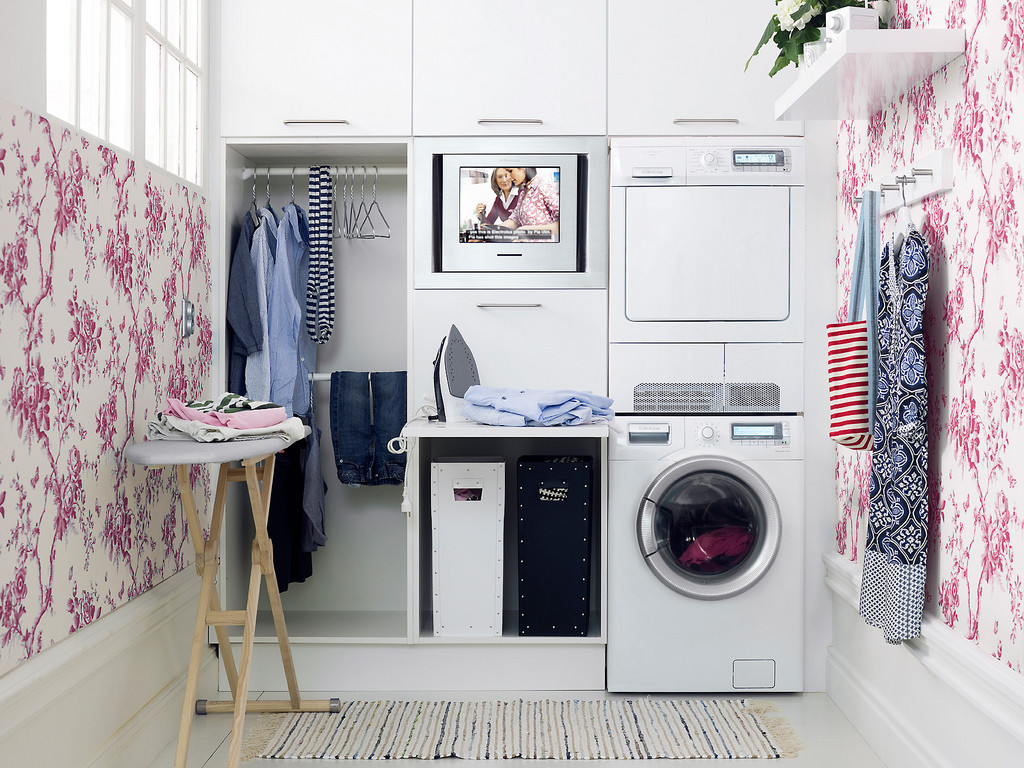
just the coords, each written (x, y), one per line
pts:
(170, 427)
(535, 407)
(228, 410)
(228, 417)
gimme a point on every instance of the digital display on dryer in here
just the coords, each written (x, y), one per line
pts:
(757, 431)
(758, 157)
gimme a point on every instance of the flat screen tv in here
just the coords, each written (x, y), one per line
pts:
(515, 212)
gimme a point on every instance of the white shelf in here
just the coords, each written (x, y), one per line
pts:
(473, 429)
(332, 626)
(863, 71)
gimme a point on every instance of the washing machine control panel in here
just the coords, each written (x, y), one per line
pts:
(760, 434)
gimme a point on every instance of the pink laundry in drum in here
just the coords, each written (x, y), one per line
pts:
(717, 550)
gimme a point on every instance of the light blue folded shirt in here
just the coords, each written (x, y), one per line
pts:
(535, 407)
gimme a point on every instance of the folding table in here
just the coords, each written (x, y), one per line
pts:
(250, 453)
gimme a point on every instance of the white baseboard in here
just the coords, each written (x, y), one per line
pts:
(934, 702)
(112, 691)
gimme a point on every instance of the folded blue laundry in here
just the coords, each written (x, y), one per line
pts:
(535, 407)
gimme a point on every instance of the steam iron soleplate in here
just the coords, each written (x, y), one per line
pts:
(460, 372)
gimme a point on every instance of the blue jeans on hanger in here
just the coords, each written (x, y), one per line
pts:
(367, 411)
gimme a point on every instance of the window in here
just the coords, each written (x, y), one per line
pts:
(94, 50)
(174, 86)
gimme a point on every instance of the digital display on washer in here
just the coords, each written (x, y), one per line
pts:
(741, 157)
(757, 431)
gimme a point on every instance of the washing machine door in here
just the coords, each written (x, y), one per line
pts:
(709, 527)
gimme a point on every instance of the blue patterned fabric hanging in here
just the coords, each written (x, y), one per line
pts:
(892, 589)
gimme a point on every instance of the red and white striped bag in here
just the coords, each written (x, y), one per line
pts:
(850, 378)
(848, 384)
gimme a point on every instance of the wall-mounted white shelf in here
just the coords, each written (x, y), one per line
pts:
(472, 429)
(865, 70)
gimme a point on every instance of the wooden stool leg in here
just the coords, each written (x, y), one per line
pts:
(199, 641)
(261, 510)
(207, 551)
(245, 664)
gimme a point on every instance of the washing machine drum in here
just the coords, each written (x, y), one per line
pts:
(709, 527)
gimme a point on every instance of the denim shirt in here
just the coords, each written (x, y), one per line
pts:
(286, 313)
(257, 365)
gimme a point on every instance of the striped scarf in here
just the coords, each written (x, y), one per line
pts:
(320, 287)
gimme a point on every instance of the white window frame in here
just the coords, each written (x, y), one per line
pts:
(137, 128)
(171, 52)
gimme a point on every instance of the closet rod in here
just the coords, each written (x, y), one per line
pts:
(303, 170)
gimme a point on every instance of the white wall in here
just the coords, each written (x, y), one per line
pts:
(23, 53)
(819, 483)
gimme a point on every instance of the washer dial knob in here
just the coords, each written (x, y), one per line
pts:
(709, 159)
(707, 433)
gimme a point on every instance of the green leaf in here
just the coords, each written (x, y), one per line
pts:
(773, 26)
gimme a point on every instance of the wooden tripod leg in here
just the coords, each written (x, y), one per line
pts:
(199, 641)
(261, 510)
(245, 664)
(206, 552)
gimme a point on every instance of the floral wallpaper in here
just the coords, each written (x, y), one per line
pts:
(96, 253)
(974, 316)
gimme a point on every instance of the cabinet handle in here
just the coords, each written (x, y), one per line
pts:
(685, 120)
(507, 306)
(316, 122)
(510, 121)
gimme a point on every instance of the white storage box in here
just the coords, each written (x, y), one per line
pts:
(467, 509)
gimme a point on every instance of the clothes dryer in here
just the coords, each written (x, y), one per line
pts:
(706, 274)
(705, 554)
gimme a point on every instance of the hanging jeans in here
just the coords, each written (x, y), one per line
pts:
(367, 411)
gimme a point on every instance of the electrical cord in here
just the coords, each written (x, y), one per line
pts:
(402, 444)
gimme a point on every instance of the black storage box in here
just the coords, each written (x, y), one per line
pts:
(555, 521)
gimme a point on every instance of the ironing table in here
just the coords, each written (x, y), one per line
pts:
(250, 453)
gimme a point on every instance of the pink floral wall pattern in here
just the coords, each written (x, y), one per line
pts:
(95, 255)
(974, 315)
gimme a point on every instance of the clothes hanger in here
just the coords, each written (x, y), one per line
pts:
(363, 214)
(904, 222)
(374, 205)
(293, 185)
(255, 206)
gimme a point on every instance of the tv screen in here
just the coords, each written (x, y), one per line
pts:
(489, 204)
(515, 212)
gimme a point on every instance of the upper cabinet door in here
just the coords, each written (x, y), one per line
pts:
(316, 68)
(532, 67)
(676, 67)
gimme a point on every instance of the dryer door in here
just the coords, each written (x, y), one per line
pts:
(709, 527)
(700, 254)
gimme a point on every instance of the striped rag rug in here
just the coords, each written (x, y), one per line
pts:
(639, 729)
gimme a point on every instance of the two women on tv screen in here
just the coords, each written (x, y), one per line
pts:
(523, 199)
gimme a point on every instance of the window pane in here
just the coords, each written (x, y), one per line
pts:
(120, 96)
(190, 161)
(155, 14)
(172, 124)
(154, 100)
(61, 58)
(193, 31)
(92, 68)
(174, 23)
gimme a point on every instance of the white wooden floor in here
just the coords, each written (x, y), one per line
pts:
(829, 739)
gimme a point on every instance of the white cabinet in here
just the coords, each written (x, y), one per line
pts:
(534, 67)
(522, 339)
(316, 68)
(675, 67)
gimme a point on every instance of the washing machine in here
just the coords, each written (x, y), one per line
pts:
(705, 553)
